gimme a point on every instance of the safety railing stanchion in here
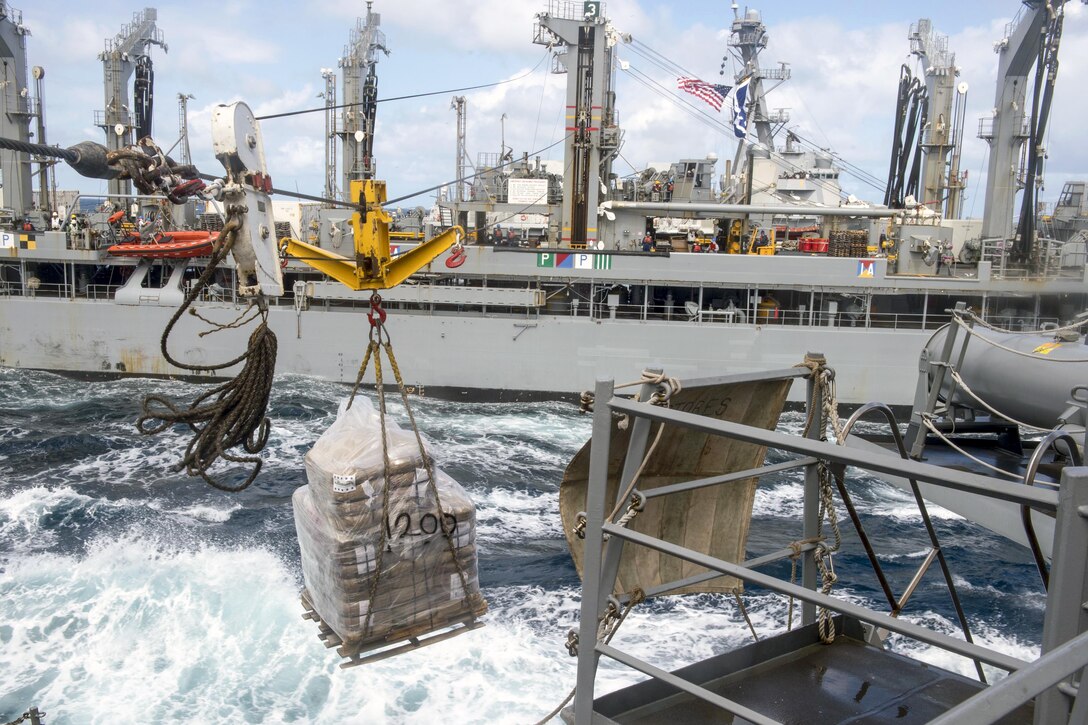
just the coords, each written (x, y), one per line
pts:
(811, 523)
(591, 567)
(1066, 616)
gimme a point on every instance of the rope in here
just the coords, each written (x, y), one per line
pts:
(744, 611)
(970, 314)
(230, 414)
(432, 485)
(379, 340)
(633, 510)
(797, 548)
(634, 479)
(928, 423)
(558, 708)
(824, 379)
(38, 149)
(823, 553)
(606, 630)
(668, 386)
(671, 386)
(547, 53)
(379, 555)
(1021, 353)
(960, 381)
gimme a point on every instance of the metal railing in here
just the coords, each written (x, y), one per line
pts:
(598, 311)
(572, 9)
(780, 317)
(101, 291)
(1052, 680)
(986, 129)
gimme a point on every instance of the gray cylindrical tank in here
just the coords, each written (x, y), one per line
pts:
(1034, 390)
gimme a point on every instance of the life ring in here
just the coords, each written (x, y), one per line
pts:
(525, 217)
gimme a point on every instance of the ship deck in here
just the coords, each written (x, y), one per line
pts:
(794, 678)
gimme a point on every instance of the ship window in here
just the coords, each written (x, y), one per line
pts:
(1071, 196)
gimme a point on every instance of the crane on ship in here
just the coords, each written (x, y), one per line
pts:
(126, 54)
(231, 415)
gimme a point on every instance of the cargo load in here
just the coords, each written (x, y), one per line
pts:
(388, 540)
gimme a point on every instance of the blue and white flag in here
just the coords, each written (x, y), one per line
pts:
(740, 108)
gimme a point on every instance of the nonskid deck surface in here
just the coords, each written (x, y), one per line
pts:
(795, 679)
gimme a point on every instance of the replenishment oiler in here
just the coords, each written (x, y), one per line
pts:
(568, 276)
(388, 540)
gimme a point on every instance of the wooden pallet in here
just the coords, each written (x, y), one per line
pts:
(395, 642)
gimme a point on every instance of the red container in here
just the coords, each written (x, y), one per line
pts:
(812, 245)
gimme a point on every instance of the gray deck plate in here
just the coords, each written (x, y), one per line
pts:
(794, 680)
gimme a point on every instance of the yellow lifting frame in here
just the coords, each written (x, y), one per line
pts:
(373, 266)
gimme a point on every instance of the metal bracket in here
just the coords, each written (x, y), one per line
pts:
(374, 266)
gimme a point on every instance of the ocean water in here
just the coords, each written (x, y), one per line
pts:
(130, 593)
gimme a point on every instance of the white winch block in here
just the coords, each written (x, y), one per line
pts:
(236, 139)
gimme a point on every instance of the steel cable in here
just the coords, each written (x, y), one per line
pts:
(39, 149)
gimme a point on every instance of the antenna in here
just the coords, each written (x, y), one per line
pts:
(329, 94)
(458, 104)
(183, 126)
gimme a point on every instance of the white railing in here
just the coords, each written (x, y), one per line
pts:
(598, 311)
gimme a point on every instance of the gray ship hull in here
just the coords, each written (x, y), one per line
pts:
(500, 354)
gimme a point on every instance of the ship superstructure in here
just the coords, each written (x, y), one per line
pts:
(590, 275)
(793, 174)
(17, 109)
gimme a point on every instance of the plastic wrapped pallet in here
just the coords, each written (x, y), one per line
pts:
(342, 518)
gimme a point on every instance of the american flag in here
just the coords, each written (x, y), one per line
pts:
(712, 93)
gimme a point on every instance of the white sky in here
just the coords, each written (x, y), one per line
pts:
(844, 55)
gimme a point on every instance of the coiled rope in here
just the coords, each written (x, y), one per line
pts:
(825, 395)
(233, 413)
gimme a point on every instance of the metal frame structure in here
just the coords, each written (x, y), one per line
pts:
(118, 64)
(329, 94)
(458, 104)
(943, 133)
(360, 96)
(16, 110)
(183, 126)
(1017, 52)
(581, 32)
(1052, 680)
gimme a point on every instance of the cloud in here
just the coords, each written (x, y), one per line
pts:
(845, 68)
(499, 26)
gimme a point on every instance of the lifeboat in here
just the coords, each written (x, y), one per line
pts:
(168, 245)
